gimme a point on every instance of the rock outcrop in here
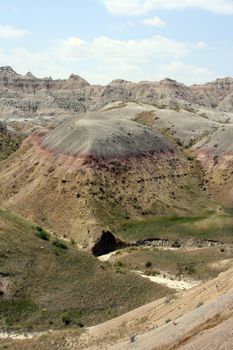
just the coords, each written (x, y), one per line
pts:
(32, 98)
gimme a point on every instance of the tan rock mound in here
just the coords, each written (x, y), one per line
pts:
(90, 174)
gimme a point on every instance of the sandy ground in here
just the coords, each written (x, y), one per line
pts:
(107, 257)
(174, 332)
(21, 336)
(172, 282)
(218, 338)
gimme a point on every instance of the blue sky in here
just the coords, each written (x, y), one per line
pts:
(101, 40)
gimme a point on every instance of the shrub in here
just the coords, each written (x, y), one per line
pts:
(66, 319)
(42, 234)
(79, 324)
(190, 269)
(119, 267)
(59, 244)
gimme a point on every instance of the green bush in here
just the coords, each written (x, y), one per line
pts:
(72, 241)
(42, 234)
(59, 244)
(191, 269)
(16, 311)
(66, 319)
(119, 267)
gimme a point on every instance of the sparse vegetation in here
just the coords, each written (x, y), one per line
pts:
(50, 290)
(198, 264)
(59, 244)
(9, 142)
(208, 226)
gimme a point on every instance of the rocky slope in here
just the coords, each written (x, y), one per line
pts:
(215, 152)
(27, 102)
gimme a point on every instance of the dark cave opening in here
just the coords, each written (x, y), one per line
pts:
(106, 244)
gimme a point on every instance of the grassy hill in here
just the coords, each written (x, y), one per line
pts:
(48, 283)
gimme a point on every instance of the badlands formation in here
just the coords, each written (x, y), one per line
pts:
(29, 103)
(95, 169)
(138, 175)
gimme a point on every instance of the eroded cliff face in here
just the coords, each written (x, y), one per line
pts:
(40, 99)
(215, 153)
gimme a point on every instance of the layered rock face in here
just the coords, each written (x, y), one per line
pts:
(39, 100)
(89, 173)
(215, 152)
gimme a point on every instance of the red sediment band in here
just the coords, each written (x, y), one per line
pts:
(93, 157)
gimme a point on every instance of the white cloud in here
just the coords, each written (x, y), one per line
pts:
(103, 59)
(186, 73)
(112, 50)
(154, 22)
(200, 45)
(10, 32)
(142, 7)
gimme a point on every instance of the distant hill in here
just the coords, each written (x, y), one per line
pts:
(44, 102)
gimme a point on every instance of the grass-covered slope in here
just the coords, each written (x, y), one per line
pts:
(47, 283)
(212, 225)
(197, 264)
(9, 142)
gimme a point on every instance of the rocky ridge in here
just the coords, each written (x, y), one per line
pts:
(38, 100)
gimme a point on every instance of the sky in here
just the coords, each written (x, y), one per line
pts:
(190, 41)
